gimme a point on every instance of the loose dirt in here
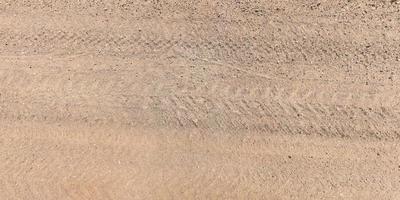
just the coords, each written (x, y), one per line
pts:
(204, 99)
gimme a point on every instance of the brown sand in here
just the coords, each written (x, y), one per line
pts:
(168, 99)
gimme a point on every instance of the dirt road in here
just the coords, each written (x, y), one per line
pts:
(167, 99)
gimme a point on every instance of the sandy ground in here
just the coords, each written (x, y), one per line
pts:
(168, 99)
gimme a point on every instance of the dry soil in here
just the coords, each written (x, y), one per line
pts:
(181, 99)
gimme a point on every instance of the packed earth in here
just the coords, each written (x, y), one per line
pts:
(207, 99)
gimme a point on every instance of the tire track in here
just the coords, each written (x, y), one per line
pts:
(179, 111)
(145, 164)
(277, 44)
(91, 97)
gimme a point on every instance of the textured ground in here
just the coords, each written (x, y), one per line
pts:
(168, 99)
